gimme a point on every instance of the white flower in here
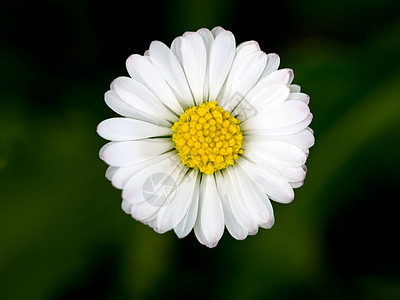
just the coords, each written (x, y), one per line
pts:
(210, 134)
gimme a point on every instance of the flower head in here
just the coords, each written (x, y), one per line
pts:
(210, 133)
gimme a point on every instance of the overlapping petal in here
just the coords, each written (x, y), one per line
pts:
(247, 67)
(192, 54)
(126, 153)
(210, 222)
(124, 129)
(142, 70)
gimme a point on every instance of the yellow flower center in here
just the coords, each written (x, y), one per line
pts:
(207, 138)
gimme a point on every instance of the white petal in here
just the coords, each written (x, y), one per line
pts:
(284, 76)
(122, 108)
(261, 99)
(110, 172)
(140, 97)
(141, 69)
(124, 174)
(220, 62)
(282, 153)
(246, 69)
(284, 130)
(210, 225)
(175, 211)
(292, 174)
(126, 207)
(132, 152)
(286, 114)
(257, 202)
(289, 173)
(294, 88)
(273, 185)
(135, 191)
(150, 192)
(176, 48)
(242, 194)
(193, 57)
(189, 220)
(198, 231)
(124, 129)
(303, 139)
(236, 198)
(296, 184)
(208, 39)
(299, 97)
(167, 63)
(143, 211)
(119, 106)
(267, 203)
(272, 64)
(217, 30)
(231, 222)
(265, 87)
(139, 176)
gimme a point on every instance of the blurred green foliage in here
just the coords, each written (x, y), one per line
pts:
(63, 234)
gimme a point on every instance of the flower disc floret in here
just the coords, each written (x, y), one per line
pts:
(207, 138)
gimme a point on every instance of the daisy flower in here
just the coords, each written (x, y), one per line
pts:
(210, 133)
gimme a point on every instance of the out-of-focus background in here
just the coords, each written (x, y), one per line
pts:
(62, 231)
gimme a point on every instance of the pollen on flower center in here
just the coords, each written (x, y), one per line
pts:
(207, 138)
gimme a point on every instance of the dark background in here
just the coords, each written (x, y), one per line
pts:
(62, 231)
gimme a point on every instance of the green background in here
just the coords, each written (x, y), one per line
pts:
(62, 231)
